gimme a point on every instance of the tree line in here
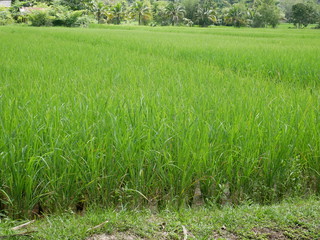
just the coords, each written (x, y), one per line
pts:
(253, 13)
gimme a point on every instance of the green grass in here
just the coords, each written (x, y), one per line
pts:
(298, 219)
(136, 116)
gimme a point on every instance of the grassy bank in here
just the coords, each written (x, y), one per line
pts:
(130, 116)
(298, 219)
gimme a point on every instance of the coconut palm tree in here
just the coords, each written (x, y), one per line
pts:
(236, 16)
(205, 16)
(99, 8)
(174, 12)
(141, 10)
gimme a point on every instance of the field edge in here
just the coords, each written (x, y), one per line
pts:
(291, 219)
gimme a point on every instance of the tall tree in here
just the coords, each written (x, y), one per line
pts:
(236, 16)
(266, 13)
(190, 7)
(117, 12)
(206, 16)
(175, 12)
(303, 15)
(98, 7)
(140, 9)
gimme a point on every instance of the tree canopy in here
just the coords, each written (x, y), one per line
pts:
(237, 13)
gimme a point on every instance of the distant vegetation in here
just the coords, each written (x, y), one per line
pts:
(129, 116)
(260, 13)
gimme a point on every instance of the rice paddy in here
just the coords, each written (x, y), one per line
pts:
(138, 116)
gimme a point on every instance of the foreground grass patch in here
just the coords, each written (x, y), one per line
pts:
(290, 220)
(128, 116)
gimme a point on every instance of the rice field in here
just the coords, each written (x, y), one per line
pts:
(124, 116)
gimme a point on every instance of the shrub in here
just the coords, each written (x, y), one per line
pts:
(59, 14)
(62, 16)
(72, 17)
(40, 18)
(84, 21)
(5, 16)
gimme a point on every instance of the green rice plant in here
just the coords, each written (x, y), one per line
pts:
(125, 116)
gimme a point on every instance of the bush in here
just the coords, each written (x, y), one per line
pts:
(84, 21)
(5, 16)
(40, 18)
(59, 14)
(72, 18)
(62, 16)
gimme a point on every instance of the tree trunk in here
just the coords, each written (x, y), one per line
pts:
(99, 16)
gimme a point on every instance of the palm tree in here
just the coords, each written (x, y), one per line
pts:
(117, 12)
(141, 10)
(175, 12)
(206, 16)
(236, 16)
(99, 8)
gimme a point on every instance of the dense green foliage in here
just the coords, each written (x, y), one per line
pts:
(40, 18)
(139, 116)
(5, 17)
(260, 13)
(267, 13)
(303, 15)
